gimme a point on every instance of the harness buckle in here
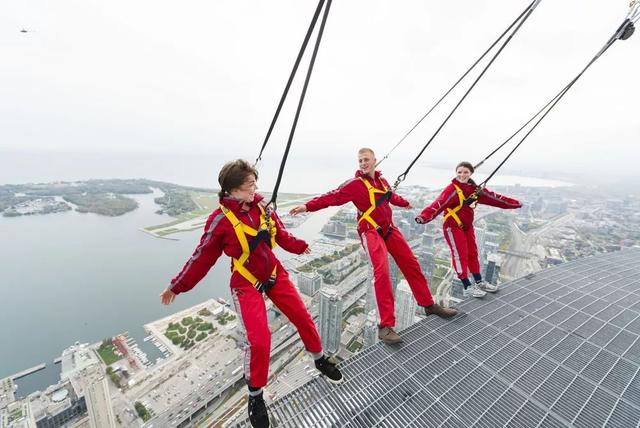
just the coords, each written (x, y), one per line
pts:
(263, 287)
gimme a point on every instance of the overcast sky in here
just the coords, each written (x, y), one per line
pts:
(203, 78)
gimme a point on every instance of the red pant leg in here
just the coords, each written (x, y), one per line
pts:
(252, 312)
(377, 250)
(457, 241)
(472, 250)
(285, 296)
(405, 259)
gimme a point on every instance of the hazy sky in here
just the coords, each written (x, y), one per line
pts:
(203, 78)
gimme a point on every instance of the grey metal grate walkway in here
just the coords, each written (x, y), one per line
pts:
(558, 349)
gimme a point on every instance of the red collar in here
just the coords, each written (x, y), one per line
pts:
(235, 205)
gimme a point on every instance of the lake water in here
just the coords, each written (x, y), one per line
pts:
(71, 277)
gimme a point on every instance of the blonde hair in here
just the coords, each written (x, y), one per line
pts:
(366, 150)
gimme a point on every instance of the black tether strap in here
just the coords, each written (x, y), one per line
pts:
(522, 19)
(274, 194)
(446, 94)
(622, 33)
(262, 236)
(303, 48)
(385, 197)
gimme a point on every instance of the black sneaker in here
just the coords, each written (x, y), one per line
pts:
(329, 369)
(258, 412)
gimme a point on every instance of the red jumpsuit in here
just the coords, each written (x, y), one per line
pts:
(376, 246)
(461, 238)
(219, 236)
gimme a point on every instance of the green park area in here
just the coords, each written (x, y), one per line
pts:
(107, 352)
(326, 259)
(224, 318)
(189, 331)
(187, 205)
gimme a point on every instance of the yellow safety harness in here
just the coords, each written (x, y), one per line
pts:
(454, 212)
(242, 230)
(366, 216)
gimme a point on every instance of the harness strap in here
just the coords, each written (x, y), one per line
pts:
(242, 230)
(386, 194)
(454, 212)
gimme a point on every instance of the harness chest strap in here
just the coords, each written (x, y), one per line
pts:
(372, 199)
(453, 212)
(242, 230)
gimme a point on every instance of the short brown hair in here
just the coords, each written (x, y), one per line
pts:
(366, 150)
(233, 175)
(470, 167)
(467, 165)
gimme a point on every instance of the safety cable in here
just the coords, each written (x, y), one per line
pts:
(274, 195)
(291, 77)
(526, 16)
(624, 31)
(460, 79)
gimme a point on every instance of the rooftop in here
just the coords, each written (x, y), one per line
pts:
(553, 349)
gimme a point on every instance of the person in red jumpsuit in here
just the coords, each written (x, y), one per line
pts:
(372, 196)
(457, 201)
(232, 229)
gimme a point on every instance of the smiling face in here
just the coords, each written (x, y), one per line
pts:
(247, 191)
(367, 162)
(463, 174)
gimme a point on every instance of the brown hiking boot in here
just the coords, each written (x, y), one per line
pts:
(388, 335)
(438, 310)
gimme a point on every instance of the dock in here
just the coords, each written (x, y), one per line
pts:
(29, 371)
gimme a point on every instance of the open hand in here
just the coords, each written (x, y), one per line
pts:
(297, 210)
(167, 296)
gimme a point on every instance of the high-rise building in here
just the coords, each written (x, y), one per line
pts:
(492, 270)
(370, 297)
(480, 238)
(405, 228)
(427, 263)
(335, 229)
(490, 244)
(309, 283)
(394, 273)
(457, 288)
(99, 404)
(330, 319)
(405, 306)
(370, 332)
(428, 240)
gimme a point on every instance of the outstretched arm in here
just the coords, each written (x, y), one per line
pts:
(336, 197)
(487, 197)
(205, 255)
(396, 199)
(437, 206)
(286, 240)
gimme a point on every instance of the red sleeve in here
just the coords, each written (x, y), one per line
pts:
(496, 200)
(205, 256)
(396, 199)
(337, 197)
(437, 206)
(287, 241)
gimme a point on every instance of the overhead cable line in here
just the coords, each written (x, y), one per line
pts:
(521, 20)
(303, 48)
(274, 194)
(624, 31)
(460, 79)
